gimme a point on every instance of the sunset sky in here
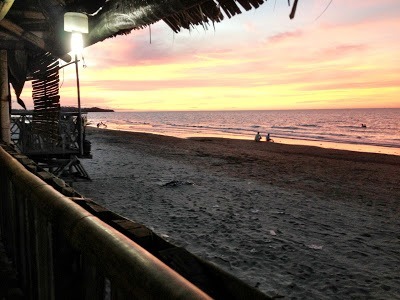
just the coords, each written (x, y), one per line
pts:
(349, 57)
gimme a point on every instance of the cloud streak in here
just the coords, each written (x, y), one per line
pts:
(259, 60)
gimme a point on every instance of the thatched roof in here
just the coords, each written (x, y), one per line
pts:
(38, 24)
(29, 28)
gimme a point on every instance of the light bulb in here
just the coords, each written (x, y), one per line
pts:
(76, 42)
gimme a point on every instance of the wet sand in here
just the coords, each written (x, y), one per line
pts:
(294, 221)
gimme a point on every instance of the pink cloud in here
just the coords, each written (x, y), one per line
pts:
(154, 85)
(343, 50)
(349, 47)
(134, 51)
(284, 36)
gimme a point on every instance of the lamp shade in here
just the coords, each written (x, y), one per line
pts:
(76, 22)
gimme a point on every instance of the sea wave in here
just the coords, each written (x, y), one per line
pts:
(335, 126)
(309, 125)
(286, 127)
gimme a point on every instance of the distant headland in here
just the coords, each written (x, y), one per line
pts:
(85, 109)
(71, 109)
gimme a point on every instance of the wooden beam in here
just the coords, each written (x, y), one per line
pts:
(5, 6)
(32, 39)
(35, 26)
(27, 14)
(23, 34)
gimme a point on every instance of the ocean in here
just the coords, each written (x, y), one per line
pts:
(334, 128)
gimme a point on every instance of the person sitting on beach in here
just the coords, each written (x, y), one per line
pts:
(257, 138)
(268, 138)
(101, 124)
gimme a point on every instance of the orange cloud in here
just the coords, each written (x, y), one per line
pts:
(260, 60)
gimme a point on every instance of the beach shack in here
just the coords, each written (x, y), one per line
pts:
(60, 244)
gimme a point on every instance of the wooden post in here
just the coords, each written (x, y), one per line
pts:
(4, 99)
(79, 120)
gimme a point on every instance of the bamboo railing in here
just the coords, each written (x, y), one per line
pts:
(62, 251)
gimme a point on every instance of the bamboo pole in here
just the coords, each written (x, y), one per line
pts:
(4, 99)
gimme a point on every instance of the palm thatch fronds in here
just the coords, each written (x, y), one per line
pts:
(37, 25)
(119, 17)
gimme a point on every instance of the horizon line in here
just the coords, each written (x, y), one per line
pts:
(231, 110)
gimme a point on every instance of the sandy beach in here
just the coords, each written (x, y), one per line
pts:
(293, 221)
